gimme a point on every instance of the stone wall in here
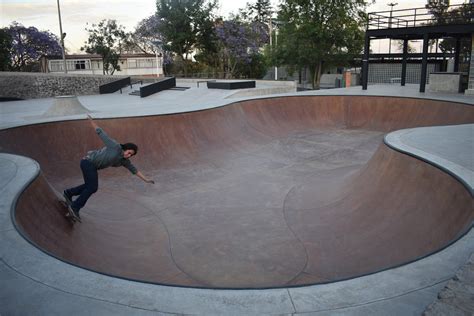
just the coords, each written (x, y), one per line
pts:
(23, 85)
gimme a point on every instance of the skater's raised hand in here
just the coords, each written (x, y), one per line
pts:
(91, 120)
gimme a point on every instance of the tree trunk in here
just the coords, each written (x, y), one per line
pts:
(317, 75)
(232, 69)
(103, 65)
(185, 66)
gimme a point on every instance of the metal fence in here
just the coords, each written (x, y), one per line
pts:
(454, 14)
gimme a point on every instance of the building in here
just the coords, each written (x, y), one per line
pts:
(453, 23)
(130, 64)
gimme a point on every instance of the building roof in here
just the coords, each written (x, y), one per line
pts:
(99, 57)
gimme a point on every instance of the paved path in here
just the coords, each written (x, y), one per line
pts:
(456, 298)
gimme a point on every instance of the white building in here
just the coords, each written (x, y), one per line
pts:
(130, 65)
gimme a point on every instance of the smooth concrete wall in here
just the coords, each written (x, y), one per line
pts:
(24, 85)
(445, 82)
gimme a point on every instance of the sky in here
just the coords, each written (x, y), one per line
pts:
(76, 14)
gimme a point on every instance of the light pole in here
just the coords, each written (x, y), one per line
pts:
(391, 4)
(276, 44)
(63, 35)
(270, 25)
(158, 45)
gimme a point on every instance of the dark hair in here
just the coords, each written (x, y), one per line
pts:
(131, 146)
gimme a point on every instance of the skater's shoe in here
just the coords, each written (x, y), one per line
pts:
(67, 197)
(74, 213)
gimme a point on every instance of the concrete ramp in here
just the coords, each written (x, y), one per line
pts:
(262, 193)
(64, 106)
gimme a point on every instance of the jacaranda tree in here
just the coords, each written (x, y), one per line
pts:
(147, 39)
(28, 44)
(239, 44)
(145, 36)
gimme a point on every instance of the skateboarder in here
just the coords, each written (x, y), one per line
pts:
(112, 155)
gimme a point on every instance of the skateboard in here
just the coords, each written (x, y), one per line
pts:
(68, 215)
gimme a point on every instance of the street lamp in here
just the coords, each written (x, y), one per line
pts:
(158, 44)
(270, 25)
(63, 35)
(391, 4)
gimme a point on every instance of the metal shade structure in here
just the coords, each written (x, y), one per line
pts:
(415, 24)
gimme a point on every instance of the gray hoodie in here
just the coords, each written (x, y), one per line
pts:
(109, 156)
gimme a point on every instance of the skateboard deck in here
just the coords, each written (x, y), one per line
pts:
(68, 213)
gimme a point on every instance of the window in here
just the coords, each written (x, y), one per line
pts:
(80, 64)
(71, 64)
(141, 63)
(55, 65)
(132, 63)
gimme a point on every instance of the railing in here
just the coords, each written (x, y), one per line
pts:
(454, 14)
(204, 75)
(161, 85)
(113, 86)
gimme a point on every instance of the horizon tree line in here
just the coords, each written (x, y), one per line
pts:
(192, 39)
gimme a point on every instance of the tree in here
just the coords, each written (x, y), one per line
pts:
(239, 43)
(256, 68)
(184, 24)
(443, 15)
(259, 11)
(207, 45)
(5, 50)
(147, 39)
(410, 48)
(28, 45)
(439, 10)
(145, 36)
(319, 33)
(106, 39)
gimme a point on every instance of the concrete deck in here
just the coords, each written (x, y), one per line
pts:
(37, 283)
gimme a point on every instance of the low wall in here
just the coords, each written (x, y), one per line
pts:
(445, 82)
(23, 85)
(329, 81)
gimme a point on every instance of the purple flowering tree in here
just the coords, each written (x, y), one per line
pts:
(145, 38)
(145, 34)
(239, 42)
(28, 45)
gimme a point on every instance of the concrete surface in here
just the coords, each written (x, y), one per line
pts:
(445, 82)
(456, 298)
(38, 283)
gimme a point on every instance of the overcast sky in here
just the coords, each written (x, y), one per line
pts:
(43, 14)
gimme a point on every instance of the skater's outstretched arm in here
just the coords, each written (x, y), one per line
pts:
(108, 141)
(141, 176)
(127, 164)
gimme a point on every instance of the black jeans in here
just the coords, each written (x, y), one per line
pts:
(90, 186)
